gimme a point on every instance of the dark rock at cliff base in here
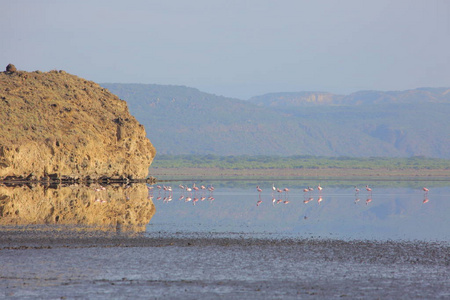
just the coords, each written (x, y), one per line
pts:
(56, 125)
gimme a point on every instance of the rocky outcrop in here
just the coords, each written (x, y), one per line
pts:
(112, 208)
(56, 125)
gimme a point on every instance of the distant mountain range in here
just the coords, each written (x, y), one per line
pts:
(183, 120)
(421, 95)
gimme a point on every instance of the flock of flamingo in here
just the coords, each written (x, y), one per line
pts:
(194, 194)
(188, 194)
(309, 190)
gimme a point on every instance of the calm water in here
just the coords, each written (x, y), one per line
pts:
(392, 210)
(234, 242)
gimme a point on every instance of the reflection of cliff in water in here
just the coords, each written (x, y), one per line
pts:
(90, 208)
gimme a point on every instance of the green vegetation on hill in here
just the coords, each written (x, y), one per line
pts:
(296, 162)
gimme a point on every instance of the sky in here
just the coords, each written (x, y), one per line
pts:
(238, 49)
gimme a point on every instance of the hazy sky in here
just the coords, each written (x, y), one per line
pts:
(234, 48)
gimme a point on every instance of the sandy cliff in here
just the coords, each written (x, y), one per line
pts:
(57, 125)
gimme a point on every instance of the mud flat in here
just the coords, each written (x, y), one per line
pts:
(55, 264)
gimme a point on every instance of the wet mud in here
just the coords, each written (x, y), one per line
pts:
(55, 265)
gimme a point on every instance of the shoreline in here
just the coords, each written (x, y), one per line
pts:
(328, 172)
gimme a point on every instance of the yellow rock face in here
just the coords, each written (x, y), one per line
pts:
(110, 209)
(61, 125)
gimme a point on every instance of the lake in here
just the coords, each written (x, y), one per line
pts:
(231, 242)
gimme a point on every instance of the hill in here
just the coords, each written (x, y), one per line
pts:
(364, 124)
(60, 126)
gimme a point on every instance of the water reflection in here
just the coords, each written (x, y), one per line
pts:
(111, 208)
(377, 210)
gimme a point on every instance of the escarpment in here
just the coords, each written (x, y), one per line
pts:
(56, 125)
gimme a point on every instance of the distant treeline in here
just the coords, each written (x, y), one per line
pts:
(296, 162)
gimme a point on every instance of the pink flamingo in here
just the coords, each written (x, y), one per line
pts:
(194, 188)
(189, 190)
(425, 190)
(368, 189)
(319, 188)
(258, 189)
(210, 189)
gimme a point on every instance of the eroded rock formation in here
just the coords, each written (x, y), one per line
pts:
(57, 125)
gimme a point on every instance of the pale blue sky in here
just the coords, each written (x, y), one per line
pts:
(234, 48)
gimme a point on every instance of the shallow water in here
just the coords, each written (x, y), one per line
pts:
(230, 245)
(386, 213)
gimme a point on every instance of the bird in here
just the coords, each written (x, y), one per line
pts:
(356, 190)
(368, 189)
(425, 190)
(319, 188)
(194, 187)
(258, 189)
(210, 189)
